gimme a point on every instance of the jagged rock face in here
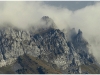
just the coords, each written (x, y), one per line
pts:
(52, 40)
(14, 42)
(78, 52)
(48, 22)
(53, 46)
(50, 45)
(80, 45)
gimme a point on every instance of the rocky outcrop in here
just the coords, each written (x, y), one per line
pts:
(14, 42)
(78, 52)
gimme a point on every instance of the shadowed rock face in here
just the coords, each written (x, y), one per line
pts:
(80, 46)
(46, 19)
(50, 45)
(44, 24)
(48, 22)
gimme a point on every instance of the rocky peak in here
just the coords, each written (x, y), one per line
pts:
(79, 38)
(44, 25)
(45, 18)
(48, 22)
(79, 33)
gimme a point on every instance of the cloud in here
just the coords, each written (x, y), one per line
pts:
(88, 20)
(23, 14)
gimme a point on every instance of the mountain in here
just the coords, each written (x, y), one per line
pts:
(43, 25)
(34, 49)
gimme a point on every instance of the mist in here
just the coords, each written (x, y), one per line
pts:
(24, 14)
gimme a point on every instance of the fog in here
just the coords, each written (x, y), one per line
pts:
(25, 14)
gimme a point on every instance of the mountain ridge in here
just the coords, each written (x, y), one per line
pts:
(50, 45)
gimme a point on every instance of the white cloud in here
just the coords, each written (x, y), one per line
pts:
(23, 13)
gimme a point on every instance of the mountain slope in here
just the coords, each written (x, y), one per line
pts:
(30, 65)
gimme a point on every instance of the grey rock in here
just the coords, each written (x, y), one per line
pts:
(51, 45)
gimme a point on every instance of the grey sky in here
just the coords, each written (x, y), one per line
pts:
(71, 5)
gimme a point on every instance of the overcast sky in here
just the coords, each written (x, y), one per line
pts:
(71, 5)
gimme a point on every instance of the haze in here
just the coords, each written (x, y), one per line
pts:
(25, 14)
